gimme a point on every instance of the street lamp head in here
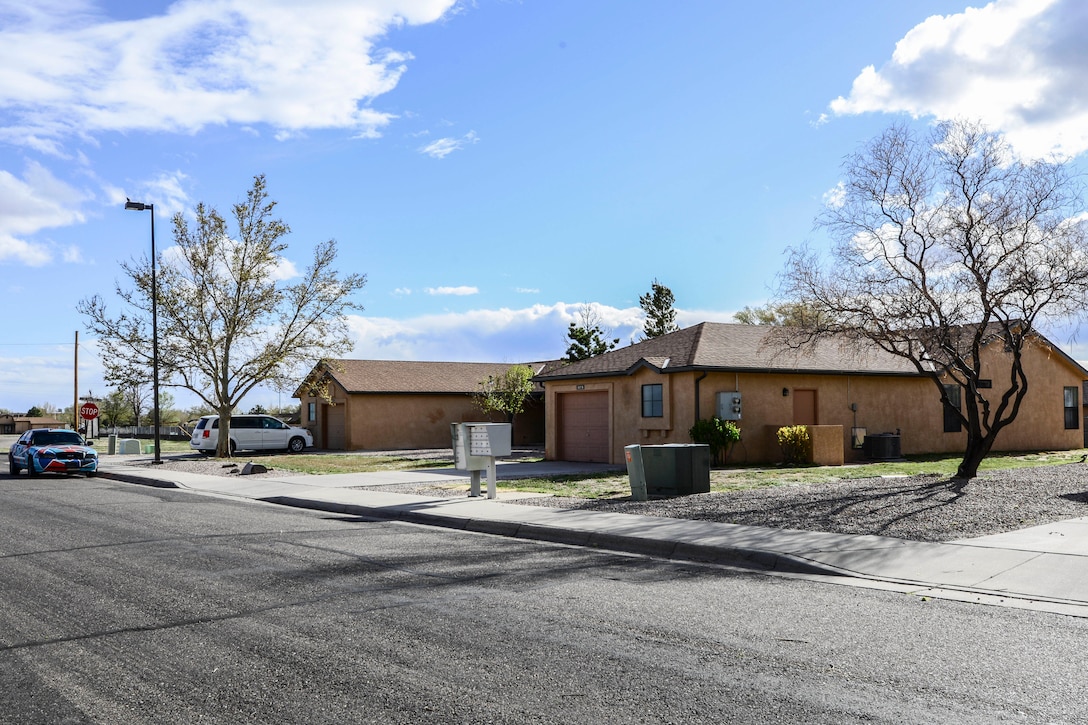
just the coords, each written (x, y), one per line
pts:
(136, 205)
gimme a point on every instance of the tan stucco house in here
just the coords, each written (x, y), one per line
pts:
(21, 423)
(396, 405)
(652, 392)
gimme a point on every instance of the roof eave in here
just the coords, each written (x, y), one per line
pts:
(732, 369)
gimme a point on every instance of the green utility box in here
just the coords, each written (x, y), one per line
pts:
(636, 472)
(677, 469)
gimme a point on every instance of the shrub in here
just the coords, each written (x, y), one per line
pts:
(796, 444)
(719, 434)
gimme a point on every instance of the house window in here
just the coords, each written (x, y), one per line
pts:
(952, 422)
(1072, 412)
(311, 412)
(652, 405)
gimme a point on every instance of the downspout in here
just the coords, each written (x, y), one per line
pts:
(697, 381)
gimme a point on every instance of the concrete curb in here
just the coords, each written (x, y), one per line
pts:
(139, 480)
(645, 546)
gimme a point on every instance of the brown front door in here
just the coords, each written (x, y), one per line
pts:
(804, 407)
(333, 419)
(582, 426)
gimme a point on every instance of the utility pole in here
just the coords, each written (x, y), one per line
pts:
(75, 388)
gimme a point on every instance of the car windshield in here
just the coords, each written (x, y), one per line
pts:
(57, 437)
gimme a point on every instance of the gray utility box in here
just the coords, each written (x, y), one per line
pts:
(728, 405)
(676, 469)
(128, 446)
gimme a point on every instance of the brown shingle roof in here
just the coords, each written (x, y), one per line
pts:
(721, 346)
(396, 376)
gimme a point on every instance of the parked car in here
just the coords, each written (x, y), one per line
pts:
(252, 433)
(55, 450)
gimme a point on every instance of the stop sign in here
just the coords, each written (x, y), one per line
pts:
(88, 411)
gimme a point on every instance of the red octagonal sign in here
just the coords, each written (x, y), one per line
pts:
(88, 411)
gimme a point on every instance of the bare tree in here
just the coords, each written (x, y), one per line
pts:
(947, 246)
(138, 396)
(783, 313)
(225, 324)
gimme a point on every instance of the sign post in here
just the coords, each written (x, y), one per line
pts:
(89, 412)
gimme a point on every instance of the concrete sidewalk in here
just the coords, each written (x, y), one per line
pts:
(1043, 568)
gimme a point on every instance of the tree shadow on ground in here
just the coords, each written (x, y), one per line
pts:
(924, 508)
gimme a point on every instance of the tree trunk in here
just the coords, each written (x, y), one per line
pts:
(977, 450)
(222, 448)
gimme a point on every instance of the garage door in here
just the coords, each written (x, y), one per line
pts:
(582, 426)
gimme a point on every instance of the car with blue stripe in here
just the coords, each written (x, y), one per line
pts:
(52, 450)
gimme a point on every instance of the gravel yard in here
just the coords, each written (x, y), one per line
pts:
(924, 508)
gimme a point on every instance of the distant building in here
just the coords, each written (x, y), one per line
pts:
(15, 424)
(391, 405)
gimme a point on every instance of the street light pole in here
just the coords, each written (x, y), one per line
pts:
(137, 206)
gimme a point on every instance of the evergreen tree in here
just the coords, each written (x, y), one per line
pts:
(660, 315)
(587, 337)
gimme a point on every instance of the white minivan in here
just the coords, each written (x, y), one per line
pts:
(251, 433)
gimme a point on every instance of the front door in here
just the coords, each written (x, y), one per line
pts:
(804, 407)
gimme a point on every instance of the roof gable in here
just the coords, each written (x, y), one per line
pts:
(733, 347)
(397, 376)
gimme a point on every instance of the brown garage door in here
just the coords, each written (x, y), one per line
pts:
(582, 426)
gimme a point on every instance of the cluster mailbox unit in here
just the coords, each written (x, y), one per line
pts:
(475, 448)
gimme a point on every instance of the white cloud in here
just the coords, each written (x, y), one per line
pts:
(285, 269)
(527, 290)
(503, 335)
(455, 291)
(1018, 65)
(43, 373)
(33, 255)
(28, 205)
(443, 147)
(835, 197)
(292, 66)
(534, 333)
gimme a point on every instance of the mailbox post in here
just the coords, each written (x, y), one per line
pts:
(475, 448)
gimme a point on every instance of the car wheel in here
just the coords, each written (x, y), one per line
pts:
(30, 466)
(233, 447)
(296, 445)
(92, 474)
(13, 467)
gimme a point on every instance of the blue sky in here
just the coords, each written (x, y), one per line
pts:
(490, 166)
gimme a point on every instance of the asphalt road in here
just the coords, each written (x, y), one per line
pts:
(125, 604)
